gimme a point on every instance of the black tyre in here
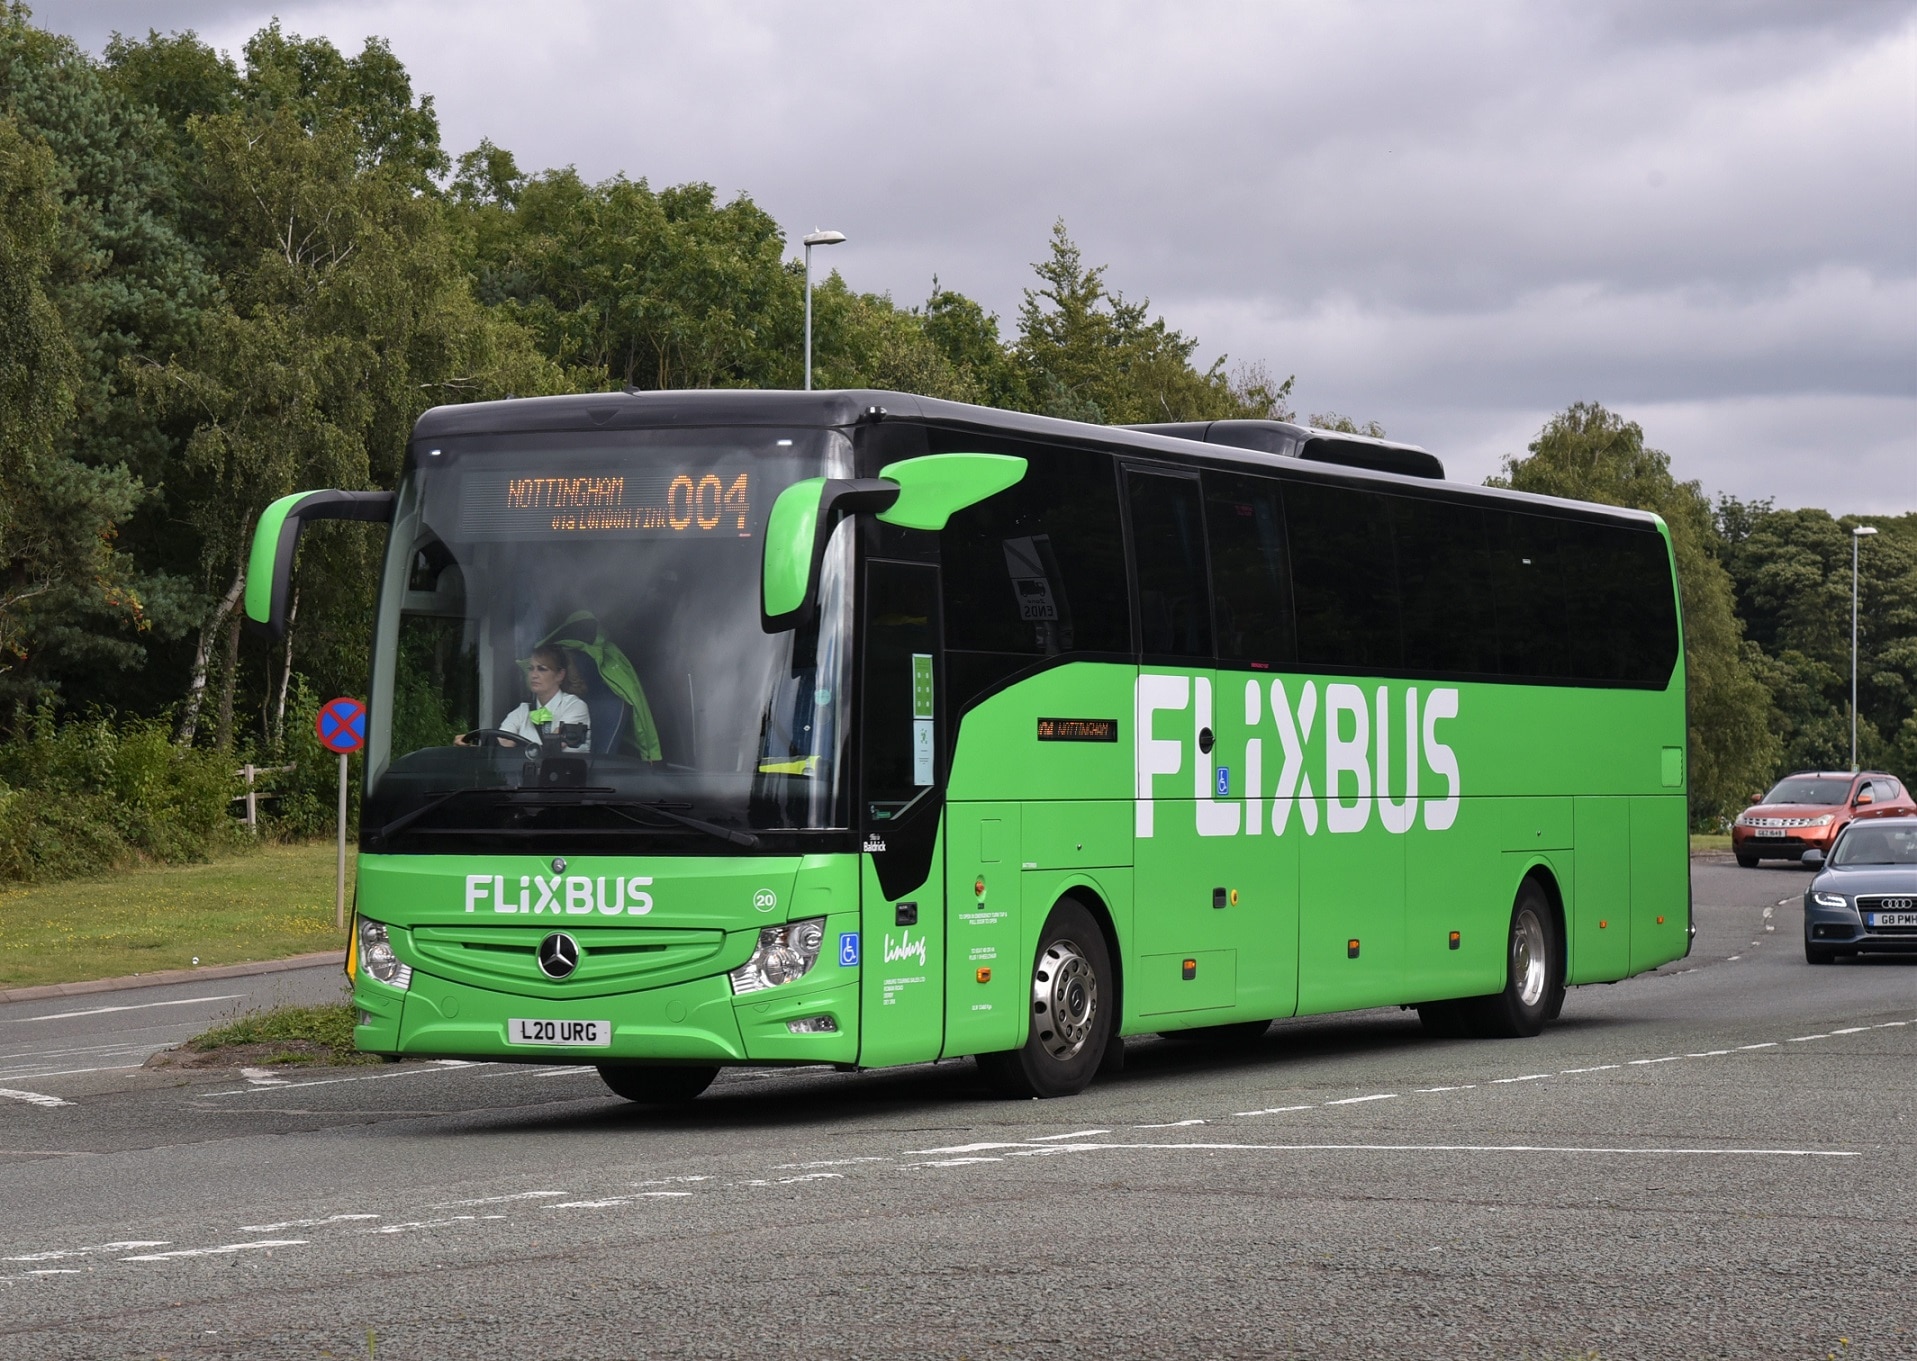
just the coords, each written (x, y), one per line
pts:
(1534, 973)
(1748, 862)
(1232, 1036)
(1818, 954)
(1072, 1012)
(656, 1085)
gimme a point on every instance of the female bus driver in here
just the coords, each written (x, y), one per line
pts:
(555, 704)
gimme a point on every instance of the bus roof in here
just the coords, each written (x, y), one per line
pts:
(632, 409)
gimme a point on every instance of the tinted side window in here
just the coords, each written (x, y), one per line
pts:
(1250, 571)
(1529, 594)
(1444, 574)
(1620, 615)
(1035, 571)
(898, 707)
(1168, 549)
(1344, 577)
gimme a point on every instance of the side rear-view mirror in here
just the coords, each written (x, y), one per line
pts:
(915, 493)
(1813, 859)
(269, 568)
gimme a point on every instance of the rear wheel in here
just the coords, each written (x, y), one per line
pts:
(1444, 1020)
(1533, 973)
(1072, 1014)
(654, 1084)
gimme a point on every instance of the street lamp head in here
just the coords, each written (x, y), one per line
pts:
(822, 238)
(1864, 531)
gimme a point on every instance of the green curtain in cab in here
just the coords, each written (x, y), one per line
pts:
(615, 673)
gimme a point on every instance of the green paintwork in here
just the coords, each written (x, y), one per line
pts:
(264, 595)
(1565, 784)
(786, 571)
(933, 487)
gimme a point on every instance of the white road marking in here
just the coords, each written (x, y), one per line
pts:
(1768, 1044)
(1076, 1134)
(264, 1077)
(286, 1224)
(497, 1200)
(333, 1081)
(1800, 1039)
(1528, 1077)
(1465, 1088)
(136, 1006)
(418, 1224)
(1668, 1058)
(72, 1072)
(35, 1098)
(1853, 1030)
(57, 1271)
(1620, 1151)
(1171, 1124)
(1280, 1110)
(268, 1243)
(58, 1253)
(607, 1202)
(1595, 1068)
(788, 1167)
(1354, 1100)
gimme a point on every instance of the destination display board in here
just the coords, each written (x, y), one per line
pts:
(696, 502)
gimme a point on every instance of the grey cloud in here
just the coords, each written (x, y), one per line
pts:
(1460, 214)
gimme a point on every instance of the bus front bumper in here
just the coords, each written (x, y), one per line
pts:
(699, 1021)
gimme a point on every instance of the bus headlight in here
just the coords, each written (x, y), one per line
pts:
(785, 954)
(376, 955)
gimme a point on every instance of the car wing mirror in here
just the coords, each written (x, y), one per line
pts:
(914, 493)
(269, 567)
(1813, 858)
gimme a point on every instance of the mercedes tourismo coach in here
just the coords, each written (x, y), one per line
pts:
(859, 728)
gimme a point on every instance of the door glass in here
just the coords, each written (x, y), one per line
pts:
(900, 700)
(1168, 544)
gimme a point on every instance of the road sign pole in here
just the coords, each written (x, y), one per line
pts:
(339, 897)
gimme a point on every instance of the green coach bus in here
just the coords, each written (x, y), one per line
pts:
(861, 728)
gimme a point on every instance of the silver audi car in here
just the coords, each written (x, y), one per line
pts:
(1865, 895)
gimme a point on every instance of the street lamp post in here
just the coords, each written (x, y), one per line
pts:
(813, 238)
(1857, 535)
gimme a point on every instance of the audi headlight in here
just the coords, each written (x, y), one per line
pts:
(376, 955)
(1830, 900)
(785, 954)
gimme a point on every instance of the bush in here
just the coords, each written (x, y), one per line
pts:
(94, 794)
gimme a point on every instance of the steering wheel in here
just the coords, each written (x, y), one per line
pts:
(499, 738)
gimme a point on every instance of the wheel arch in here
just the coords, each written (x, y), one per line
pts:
(1088, 896)
(1544, 874)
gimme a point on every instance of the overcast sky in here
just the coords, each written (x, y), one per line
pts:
(1453, 219)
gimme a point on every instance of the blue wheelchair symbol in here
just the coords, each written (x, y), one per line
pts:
(1224, 781)
(849, 950)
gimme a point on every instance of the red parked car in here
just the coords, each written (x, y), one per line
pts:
(1807, 810)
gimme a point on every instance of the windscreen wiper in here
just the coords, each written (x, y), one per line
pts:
(624, 807)
(439, 798)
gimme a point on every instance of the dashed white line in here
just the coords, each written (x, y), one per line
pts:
(137, 1006)
(1528, 1077)
(59, 1253)
(1355, 1100)
(497, 1200)
(1171, 1124)
(1465, 1087)
(222, 1250)
(1800, 1039)
(1280, 1110)
(1594, 1068)
(33, 1098)
(1075, 1134)
(286, 1224)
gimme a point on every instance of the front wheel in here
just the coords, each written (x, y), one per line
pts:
(1072, 1015)
(1818, 954)
(1748, 862)
(656, 1085)
(1533, 973)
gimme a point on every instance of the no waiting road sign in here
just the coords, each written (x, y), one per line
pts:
(341, 725)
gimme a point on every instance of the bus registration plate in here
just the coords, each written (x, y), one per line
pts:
(580, 1034)
(1890, 919)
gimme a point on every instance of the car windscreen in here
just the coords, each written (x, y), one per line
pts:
(1867, 845)
(1809, 789)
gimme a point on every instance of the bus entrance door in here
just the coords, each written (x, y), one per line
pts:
(902, 889)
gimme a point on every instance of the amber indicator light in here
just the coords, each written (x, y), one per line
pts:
(1191, 969)
(1602, 923)
(1351, 949)
(1455, 938)
(1660, 921)
(984, 975)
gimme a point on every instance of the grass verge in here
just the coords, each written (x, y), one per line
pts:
(263, 904)
(1714, 841)
(322, 1034)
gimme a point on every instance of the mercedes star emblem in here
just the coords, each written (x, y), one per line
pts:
(558, 955)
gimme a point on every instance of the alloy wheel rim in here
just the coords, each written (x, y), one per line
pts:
(1527, 958)
(1064, 1000)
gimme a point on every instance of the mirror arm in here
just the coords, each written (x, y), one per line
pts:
(839, 498)
(276, 538)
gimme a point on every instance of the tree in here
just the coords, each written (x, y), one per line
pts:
(1085, 353)
(1590, 454)
(1345, 425)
